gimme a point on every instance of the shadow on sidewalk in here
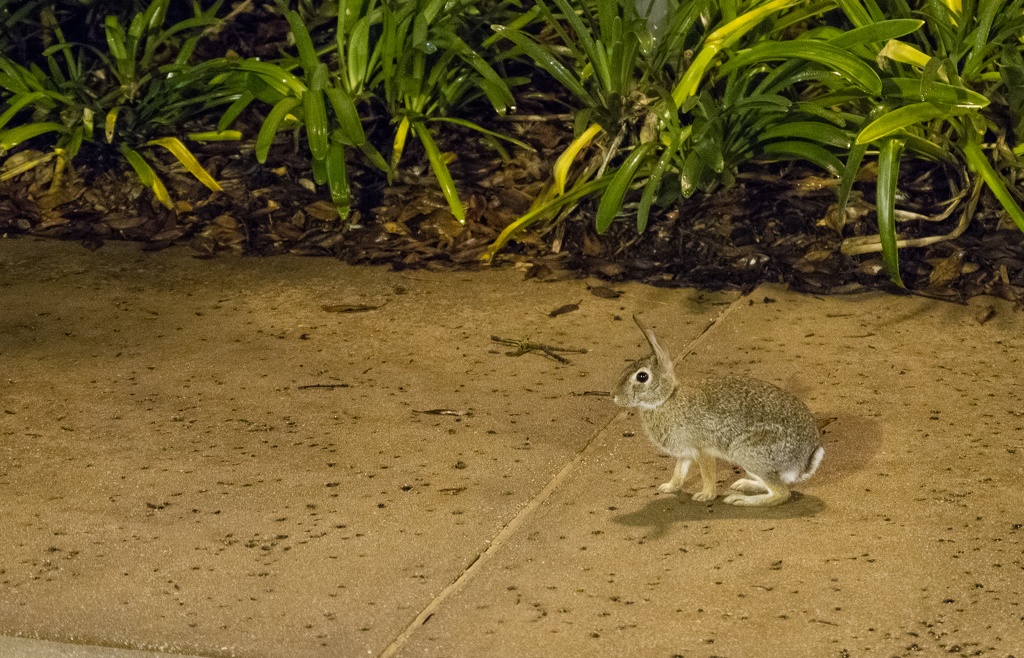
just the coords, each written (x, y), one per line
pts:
(660, 514)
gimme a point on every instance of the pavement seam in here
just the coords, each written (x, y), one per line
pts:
(691, 347)
(524, 514)
(502, 537)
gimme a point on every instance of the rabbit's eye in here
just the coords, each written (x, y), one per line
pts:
(642, 376)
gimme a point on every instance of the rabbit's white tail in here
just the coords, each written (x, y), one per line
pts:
(792, 477)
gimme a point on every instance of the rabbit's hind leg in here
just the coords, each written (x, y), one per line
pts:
(776, 493)
(750, 485)
(678, 477)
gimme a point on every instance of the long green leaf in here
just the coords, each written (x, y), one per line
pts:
(337, 178)
(981, 35)
(842, 62)
(723, 38)
(444, 177)
(876, 32)
(653, 185)
(13, 136)
(810, 131)
(270, 126)
(613, 195)
(284, 81)
(146, 174)
(71, 142)
(861, 12)
(319, 171)
(898, 119)
(979, 163)
(888, 174)
(806, 151)
(16, 79)
(484, 131)
(693, 175)
(495, 88)
(348, 116)
(937, 93)
(234, 110)
(375, 158)
(544, 59)
(216, 136)
(304, 44)
(580, 30)
(16, 104)
(850, 170)
(315, 114)
(116, 39)
(358, 54)
(929, 150)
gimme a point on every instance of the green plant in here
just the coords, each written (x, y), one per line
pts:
(940, 88)
(404, 56)
(304, 101)
(617, 72)
(14, 15)
(140, 88)
(709, 115)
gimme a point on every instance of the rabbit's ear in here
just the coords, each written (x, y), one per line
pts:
(659, 353)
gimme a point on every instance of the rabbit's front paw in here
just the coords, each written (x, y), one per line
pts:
(669, 487)
(704, 496)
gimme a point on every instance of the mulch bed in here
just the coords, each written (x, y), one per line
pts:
(776, 224)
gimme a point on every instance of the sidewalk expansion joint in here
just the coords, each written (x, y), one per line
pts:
(480, 559)
(477, 562)
(692, 346)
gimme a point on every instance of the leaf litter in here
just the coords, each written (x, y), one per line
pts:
(777, 226)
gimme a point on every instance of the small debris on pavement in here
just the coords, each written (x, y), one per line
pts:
(562, 310)
(524, 345)
(442, 412)
(350, 308)
(985, 314)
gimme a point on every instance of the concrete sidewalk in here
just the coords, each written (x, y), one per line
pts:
(291, 457)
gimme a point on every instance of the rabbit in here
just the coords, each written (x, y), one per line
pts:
(757, 426)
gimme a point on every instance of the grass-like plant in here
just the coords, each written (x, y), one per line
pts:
(140, 91)
(677, 124)
(15, 15)
(405, 57)
(303, 99)
(951, 94)
(671, 98)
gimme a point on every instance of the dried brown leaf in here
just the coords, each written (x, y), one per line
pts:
(325, 211)
(123, 223)
(226, 221)
(947, 270)
(605, 292)
(168, 234)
